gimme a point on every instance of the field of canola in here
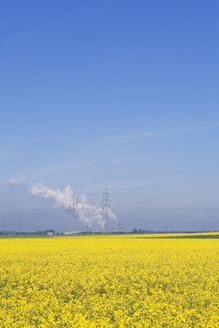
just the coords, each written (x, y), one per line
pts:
(108, 281)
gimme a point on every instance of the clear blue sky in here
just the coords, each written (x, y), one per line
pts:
(116, 94)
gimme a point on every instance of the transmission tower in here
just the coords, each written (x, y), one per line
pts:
(74, 210)
(19, 226)
(3, 227)
(106, 207)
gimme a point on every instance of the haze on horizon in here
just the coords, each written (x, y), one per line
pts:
(116, 95)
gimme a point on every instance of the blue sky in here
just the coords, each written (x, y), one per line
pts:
(111, 94)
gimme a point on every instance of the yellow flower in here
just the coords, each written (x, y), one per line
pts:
(113, 281)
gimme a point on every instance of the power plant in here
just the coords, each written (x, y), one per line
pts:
(76, 210)
(88, 217)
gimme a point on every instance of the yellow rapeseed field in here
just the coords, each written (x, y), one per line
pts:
(108, 281)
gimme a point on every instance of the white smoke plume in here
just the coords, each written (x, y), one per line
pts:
(17, 182)
(88, 213)
(61, 198)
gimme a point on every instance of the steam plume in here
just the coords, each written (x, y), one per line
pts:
(88, 213)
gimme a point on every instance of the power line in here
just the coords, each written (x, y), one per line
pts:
(167, 215)
(167, 208)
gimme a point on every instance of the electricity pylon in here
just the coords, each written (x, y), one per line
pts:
(3, 227)
(106, 207)
(74, 210)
